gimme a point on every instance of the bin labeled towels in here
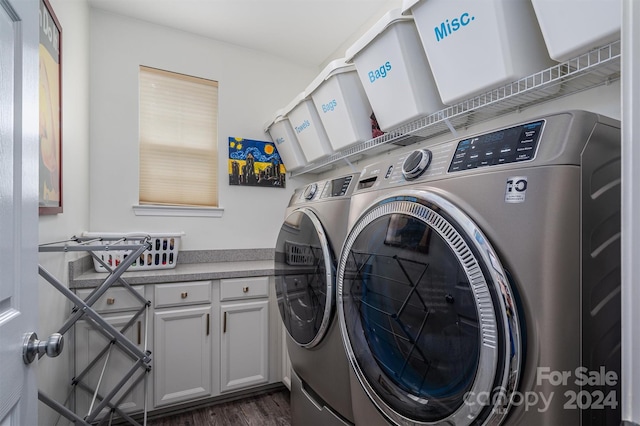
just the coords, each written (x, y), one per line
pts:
(342, 104)
(394, 71)
(308, 128)
(286, 142)
(476, 45)
(573, 27)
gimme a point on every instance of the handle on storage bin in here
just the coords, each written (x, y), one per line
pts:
(184, 295)
(245, 289)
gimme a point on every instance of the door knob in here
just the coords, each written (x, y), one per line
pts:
(33, 347)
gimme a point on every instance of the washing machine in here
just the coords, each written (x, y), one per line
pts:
(306, 253)
(479, 282)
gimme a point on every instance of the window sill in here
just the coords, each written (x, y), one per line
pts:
(157, 210)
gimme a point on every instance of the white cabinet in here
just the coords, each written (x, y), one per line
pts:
(244, 338)
(93, 349)
(205, 337)
(182, 367)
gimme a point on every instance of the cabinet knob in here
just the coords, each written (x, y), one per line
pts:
(245, 289)
(184, 295)
(111, 301)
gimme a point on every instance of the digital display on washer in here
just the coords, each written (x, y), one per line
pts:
(505, 146)
(339, 186)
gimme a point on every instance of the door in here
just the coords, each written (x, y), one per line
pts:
(304, 278)
(18, 207)
(427, 314)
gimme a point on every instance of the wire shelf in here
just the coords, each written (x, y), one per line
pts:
(595, 68)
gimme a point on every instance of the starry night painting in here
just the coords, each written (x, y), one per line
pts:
(255, 163)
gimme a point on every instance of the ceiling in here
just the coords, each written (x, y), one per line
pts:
(306, 32)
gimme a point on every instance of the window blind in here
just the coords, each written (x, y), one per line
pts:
(178, 139)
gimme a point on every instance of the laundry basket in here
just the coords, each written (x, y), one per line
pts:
(299, 254)
(163, 253)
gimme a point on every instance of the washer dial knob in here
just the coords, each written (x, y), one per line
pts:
(310, 191)
(416, 163)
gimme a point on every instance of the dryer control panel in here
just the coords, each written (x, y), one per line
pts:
(331, 188)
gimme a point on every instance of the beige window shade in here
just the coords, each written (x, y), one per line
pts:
(178, 139)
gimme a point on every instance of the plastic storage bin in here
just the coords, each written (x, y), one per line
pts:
(477, 45)
(573, 27)
(394, 71)
(163, 253)
(286, 142)
(342, 104)
(308, 128)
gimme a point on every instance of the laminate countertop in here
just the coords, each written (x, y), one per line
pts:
(209, 267)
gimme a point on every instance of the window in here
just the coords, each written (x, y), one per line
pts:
(178, 139)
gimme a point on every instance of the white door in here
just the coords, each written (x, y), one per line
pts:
(18, 207)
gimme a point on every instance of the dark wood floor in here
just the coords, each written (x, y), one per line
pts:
(269, 409)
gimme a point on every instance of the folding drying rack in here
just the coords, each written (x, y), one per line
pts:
(141, 358)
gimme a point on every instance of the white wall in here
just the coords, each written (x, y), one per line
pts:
(54, 374)
(252, 86)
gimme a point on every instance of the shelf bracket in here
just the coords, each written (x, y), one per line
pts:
(353, 168)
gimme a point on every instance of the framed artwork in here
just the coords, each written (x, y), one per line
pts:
(255, 163)
(50, 74)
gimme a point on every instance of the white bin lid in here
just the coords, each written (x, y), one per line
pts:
(278, 117)
(294, 103)
(408, 4)
(333, 68)
(389, 18)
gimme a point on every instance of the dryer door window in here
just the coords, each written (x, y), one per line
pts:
(304, 278)
(424, 314)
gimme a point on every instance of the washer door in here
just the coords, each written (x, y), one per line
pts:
(427, 314)
(304, 278)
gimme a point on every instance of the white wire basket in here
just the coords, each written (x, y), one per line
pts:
(163, 253)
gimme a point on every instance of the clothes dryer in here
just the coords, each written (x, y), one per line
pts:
(309, 241)
(480, 279)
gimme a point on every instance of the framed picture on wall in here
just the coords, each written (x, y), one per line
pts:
(50, 74)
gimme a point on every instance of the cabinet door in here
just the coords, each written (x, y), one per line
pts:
(182, 355)
(89, 344)
(244, 348)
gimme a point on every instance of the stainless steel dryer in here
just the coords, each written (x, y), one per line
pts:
(480, 279)
(306, 250)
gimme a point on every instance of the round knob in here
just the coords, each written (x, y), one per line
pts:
(310, 191)
(33, 347)
(416, 163)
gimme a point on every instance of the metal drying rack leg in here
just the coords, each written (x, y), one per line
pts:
(83, 310)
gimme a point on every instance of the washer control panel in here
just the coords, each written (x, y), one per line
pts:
(508, 145)
(504, 146)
